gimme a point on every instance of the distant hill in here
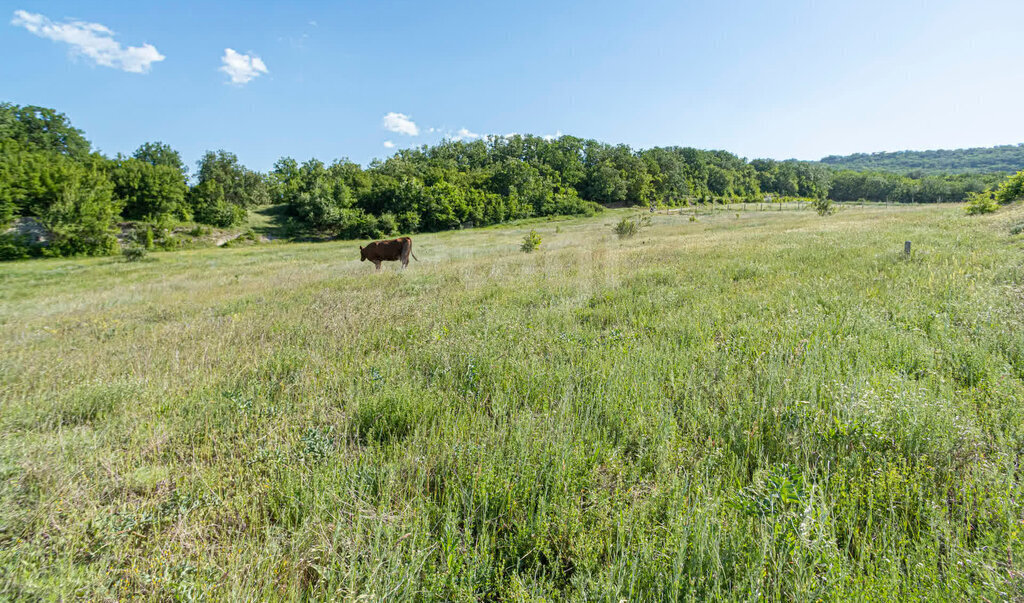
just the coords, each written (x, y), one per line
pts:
(980, 160)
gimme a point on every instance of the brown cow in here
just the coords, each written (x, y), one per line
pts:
(388, 251)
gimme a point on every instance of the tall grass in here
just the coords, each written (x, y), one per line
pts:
(780, 406)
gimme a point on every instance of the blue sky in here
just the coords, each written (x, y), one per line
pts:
(317, 79)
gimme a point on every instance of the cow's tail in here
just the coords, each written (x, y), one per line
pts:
(411, 253)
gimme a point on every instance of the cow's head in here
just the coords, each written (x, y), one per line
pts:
(362, 254)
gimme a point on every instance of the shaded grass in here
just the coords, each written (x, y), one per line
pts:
(777, 405)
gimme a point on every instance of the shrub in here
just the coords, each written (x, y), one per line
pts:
(315, 209)
(409, 222)
(148, 191)
(211, 206)
(82, 217)
(6, 205)
(626, 228)
(1017, 228)
(354, 223)
(16, 247)
(824, 206)
(134, 253)
(170, 242)
(530, 242)
(981, 203)
(219, 213)
(146, 237)
(387, 224)
(560, 204)
(1012, 189)
(247, 237)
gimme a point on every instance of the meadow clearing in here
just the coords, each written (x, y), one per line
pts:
(766, 405)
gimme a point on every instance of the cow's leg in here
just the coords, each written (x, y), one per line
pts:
(377, 264)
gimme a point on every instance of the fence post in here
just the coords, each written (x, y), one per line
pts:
(906, 248)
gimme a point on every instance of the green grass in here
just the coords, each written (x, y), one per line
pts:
(772, 405)
(272, 221)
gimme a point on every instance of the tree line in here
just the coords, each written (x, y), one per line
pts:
(50, 173)
(980, 160)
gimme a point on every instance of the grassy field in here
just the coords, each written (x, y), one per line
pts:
(765, 405)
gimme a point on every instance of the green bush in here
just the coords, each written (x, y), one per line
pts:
(387, 224)
(134, 253)
(219, 213)
(1012, 189)
(146, 237)
(210, 206)
(82, 217)
(148, 192)
(560, 204)
(6, 204)
(317, 210)
(246, 238)
(408, 222)
(14, 247)
(629, 227)
(981, 203)
(170, 243)
(824, 206)
(626, 228)
(354, 223)
(530, 242)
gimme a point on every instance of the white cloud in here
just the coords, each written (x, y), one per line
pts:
(242, 68)
(92, 40)
(388, 144)
(550, 137)
(464, 134)
(400, 123)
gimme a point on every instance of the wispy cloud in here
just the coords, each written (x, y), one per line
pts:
(388, 144)
(550, 137)
(242, 68)
(91, 40)
(400, 123)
